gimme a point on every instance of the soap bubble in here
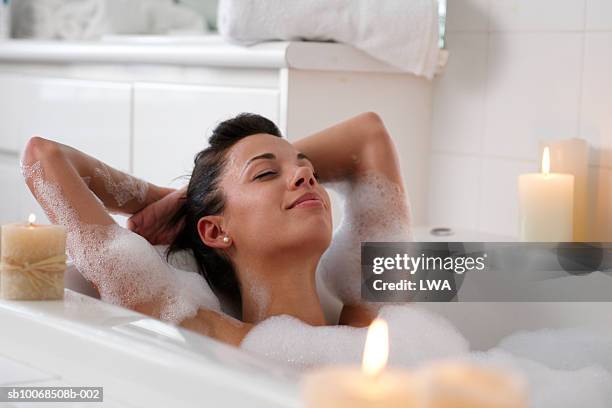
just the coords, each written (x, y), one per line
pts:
(125, 268)
(375, 210)
(550, 388)
(565, 349)
(415, 336)
(126, 189)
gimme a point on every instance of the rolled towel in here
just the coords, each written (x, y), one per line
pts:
(402, 33)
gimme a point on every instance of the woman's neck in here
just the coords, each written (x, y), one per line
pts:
(281, 288)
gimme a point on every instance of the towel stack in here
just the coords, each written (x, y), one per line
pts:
(402, 33)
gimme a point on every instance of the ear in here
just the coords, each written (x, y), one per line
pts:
(211, 232)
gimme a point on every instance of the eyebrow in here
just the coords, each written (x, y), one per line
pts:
(271, 156)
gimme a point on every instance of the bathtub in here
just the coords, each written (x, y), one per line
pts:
(142, 362)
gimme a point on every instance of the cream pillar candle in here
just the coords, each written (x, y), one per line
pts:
(571, 156)
(464, 385)
(546, 205)
(372, 386)
(33, 261)
(437, 385)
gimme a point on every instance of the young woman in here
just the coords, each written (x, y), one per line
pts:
(255, 215)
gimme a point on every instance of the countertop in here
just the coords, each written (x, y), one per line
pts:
(206, 51)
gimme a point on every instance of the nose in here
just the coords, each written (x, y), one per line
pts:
(303, 176)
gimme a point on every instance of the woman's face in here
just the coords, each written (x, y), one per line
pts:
(273, 202)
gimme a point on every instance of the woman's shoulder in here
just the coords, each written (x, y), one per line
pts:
(218, 325)
(360, 315)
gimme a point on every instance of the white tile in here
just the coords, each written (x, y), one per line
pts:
(467, 15)
(536, 15)
(599, 15)
(533, 89)
(596, 109)
(453, 191)
(459, 95)
(600, 204)
(498, 211)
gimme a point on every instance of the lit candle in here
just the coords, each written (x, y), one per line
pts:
(372, 386)
(465, 385)
(546, 205)
(571, 156)
(32, 261)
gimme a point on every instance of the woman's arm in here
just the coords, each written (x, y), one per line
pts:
(353, 148)
(81, 177)
(62, 166)
(352, 151)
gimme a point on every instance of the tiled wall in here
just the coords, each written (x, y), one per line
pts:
(519, 71)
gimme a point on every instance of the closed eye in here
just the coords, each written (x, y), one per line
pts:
(264, 174)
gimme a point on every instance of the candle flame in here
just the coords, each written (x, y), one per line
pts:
(32, 218)
(546, 161)
(376, 351)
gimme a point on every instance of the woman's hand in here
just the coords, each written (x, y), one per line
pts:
(152, 222)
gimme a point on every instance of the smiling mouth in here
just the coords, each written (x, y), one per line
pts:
(308, 200)
(310, 203)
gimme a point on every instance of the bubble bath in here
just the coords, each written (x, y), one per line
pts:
(289, 340)
(376, 210)
(564, 368)
(124, 190)
(126, 269)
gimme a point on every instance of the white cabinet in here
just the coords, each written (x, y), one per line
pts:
(172, 124)
(12, 106)
(92, 116)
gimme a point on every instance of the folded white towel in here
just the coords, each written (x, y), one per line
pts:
(403, 33)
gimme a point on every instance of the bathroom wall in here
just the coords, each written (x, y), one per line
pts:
(519, 71)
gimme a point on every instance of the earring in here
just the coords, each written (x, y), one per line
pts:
(226, 239)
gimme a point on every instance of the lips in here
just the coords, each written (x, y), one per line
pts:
(306, 198)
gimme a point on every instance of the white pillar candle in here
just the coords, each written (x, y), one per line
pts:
(571, 156)
(32, 261)
(546, 205)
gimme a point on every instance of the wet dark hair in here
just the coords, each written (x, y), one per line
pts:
(204, 197)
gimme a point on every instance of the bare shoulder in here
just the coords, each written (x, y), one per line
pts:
(360, 315)
(218, 325)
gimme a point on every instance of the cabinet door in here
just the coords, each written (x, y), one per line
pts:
(12, 111)
(172, 124)
(92, 116)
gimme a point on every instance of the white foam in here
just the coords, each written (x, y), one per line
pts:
(549, 388)
(375, 210)
(126, 269)
(125, 189)
(565, 349)
(415, 336)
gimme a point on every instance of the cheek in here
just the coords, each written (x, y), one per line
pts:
(252, 211)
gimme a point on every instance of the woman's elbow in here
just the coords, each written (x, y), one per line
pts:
(37, 149)
(376, 131)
